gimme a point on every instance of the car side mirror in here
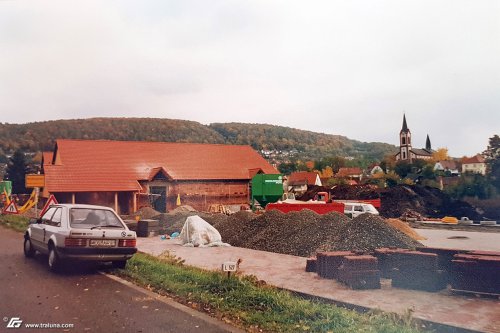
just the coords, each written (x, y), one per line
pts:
(39, 220)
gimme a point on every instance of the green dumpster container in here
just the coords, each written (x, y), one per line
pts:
(267, 188)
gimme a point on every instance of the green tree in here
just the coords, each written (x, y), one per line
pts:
(492, 155)
(287, 168)
(402, 168)
(472, 186)
(17, 169)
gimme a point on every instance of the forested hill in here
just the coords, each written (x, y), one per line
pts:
(39, 136)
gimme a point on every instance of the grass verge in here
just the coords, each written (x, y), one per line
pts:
(247, 303)
(16, 222)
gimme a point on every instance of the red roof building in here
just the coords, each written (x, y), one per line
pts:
(298, 181)
(475, 164)
(129, 174)
(350, 173)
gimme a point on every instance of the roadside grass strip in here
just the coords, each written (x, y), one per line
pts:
(16, 222)
(249, 303)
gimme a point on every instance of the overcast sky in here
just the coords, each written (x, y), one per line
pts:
(350, 67)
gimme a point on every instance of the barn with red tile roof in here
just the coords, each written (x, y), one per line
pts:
(127, 175)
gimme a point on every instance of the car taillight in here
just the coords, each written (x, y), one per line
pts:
(126, 243)
(75, 242)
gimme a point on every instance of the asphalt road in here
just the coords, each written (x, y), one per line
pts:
(92, 302)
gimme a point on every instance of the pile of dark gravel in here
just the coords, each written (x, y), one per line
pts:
(368, 232)
(284, 233)
(302, 233)
(231, 227)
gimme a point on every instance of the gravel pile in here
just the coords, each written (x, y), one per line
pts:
(368, 232)
(230, 228)
(296, 233)
(174, 221)
(284, 233)
(145, 213)
(305, 233)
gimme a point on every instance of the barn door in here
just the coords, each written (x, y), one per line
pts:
(158, 195)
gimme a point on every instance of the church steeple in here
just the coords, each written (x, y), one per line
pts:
(405, 141)
(405, 127)
(428, 143)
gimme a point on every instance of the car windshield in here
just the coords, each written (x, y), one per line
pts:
(89, 218)
(371, 209)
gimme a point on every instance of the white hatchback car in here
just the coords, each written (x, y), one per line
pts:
(80, 232)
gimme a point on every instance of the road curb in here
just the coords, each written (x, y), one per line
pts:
(181, 307)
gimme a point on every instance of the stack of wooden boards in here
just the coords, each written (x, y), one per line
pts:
(426, 268)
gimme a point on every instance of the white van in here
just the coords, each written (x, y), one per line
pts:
(354, 209)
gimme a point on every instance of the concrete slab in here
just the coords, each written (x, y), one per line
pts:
(464, 240)
(288, 272)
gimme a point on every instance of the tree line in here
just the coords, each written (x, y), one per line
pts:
(40, 136)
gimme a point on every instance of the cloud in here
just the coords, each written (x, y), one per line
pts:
(340, 67)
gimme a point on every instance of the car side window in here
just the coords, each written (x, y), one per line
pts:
(56, 218)
(358, 208)
(348, 207)
(48, 215)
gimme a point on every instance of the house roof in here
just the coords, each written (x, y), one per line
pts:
(421, 152)
(100, 165)
(449, 165)
(47, 157)
(472, 160)
(302, 178)
(346, 172)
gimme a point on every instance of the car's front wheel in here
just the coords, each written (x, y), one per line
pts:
(29, 251)
(54, 261)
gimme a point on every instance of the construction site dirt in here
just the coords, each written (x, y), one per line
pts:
(424, 200)
(456, 313)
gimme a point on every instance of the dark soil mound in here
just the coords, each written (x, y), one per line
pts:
(368, 232)
(342, 192)
(311, 192)
(427, 201)
(354, 192)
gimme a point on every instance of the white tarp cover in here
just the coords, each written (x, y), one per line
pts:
(198, 232)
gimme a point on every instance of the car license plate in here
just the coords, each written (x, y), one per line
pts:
(102, 242)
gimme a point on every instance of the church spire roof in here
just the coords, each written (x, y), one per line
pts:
(428, 143)
(405, 126)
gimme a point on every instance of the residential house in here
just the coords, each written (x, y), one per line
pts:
(475, 164)
(374, 168)
(298, 181)
(451, 167)
(353, 175)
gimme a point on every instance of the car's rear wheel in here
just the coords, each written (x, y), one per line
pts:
(54, 261)
(29, 251)
(120, 264)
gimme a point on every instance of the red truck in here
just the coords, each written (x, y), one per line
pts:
(321, 205)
